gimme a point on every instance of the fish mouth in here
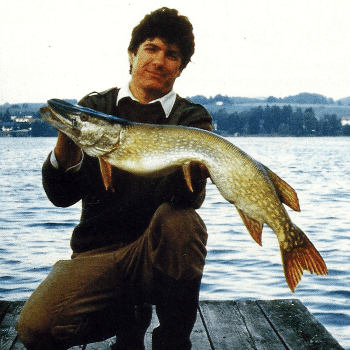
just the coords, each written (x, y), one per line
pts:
(48, 113)
(55, 115)
(61, 120)
(64, 112)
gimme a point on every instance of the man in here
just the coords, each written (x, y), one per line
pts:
(140, 242)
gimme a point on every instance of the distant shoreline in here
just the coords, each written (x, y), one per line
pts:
(232, 116)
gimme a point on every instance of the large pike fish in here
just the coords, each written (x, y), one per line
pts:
(156, 150)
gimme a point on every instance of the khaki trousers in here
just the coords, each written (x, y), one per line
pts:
(80, 299)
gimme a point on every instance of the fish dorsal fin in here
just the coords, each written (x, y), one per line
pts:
(254, 226)
(106, 172)
(286, 193)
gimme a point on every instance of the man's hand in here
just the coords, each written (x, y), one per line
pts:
(66, 151)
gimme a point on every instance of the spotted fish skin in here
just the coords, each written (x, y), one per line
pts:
(157, 150)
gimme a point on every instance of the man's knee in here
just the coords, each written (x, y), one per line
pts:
(36, 320)
(33, 333)
(180, 224)
(179, 240)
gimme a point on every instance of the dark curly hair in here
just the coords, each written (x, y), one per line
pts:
(166, 24)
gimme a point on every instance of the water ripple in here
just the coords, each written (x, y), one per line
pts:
(35, 234)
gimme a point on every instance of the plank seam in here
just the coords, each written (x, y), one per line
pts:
(3, 314)
(273, 326)
(206, 328)
(245, 323)
(10, 333)
(16, 342)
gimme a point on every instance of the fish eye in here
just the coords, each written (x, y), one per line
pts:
(84, 117)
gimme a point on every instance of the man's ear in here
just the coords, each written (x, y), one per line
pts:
(131, 60)
(131, 57)
(180, 71)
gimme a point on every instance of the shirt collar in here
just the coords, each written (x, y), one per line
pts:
(166, 101)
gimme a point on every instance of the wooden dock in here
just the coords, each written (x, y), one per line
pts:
(242, 325)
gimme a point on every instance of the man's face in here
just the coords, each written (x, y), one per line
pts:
(155, 67)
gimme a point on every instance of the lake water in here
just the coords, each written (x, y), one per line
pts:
(35, 234)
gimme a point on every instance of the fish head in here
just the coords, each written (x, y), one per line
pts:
(95, 132)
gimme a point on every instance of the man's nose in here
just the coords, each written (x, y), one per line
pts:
(159, 59)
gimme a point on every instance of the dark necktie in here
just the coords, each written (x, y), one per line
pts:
(152, 113)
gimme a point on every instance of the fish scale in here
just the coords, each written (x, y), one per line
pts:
(156, 150)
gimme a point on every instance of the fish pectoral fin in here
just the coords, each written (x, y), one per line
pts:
(200, 171)
(254, 226)
(301, 256)
(186, 168)
(286, 193)
(106, 172)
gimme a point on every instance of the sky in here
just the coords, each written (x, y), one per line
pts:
(251, 48)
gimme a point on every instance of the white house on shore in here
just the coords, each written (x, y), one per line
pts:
(345, 121)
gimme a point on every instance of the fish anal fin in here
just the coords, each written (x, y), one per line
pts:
(286, 193)
(254, 226)
(186, 168)
(106, 172)
(302, 256)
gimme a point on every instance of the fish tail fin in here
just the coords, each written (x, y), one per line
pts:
(285, 192)
(302, 256)
(253, 226)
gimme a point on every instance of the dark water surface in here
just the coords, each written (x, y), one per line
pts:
(35, 234)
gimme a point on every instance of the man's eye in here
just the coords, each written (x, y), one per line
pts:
(174, 55)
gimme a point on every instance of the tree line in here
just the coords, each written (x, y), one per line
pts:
(271, 120)
(275, 120)
(302, 98)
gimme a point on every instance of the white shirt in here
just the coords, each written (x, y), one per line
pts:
(166, 101)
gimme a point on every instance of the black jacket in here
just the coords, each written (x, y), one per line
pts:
(122, 216)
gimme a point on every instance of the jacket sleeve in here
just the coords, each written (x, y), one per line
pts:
(62, 188)
(173, 188)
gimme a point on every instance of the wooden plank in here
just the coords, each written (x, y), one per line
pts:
(154, 324)
(8, 334)
(263, 335)
(225, 326)
(17, 345)
(103, 345)
(296, 326)
(259, 325)
(199, 336)
(3, 306)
